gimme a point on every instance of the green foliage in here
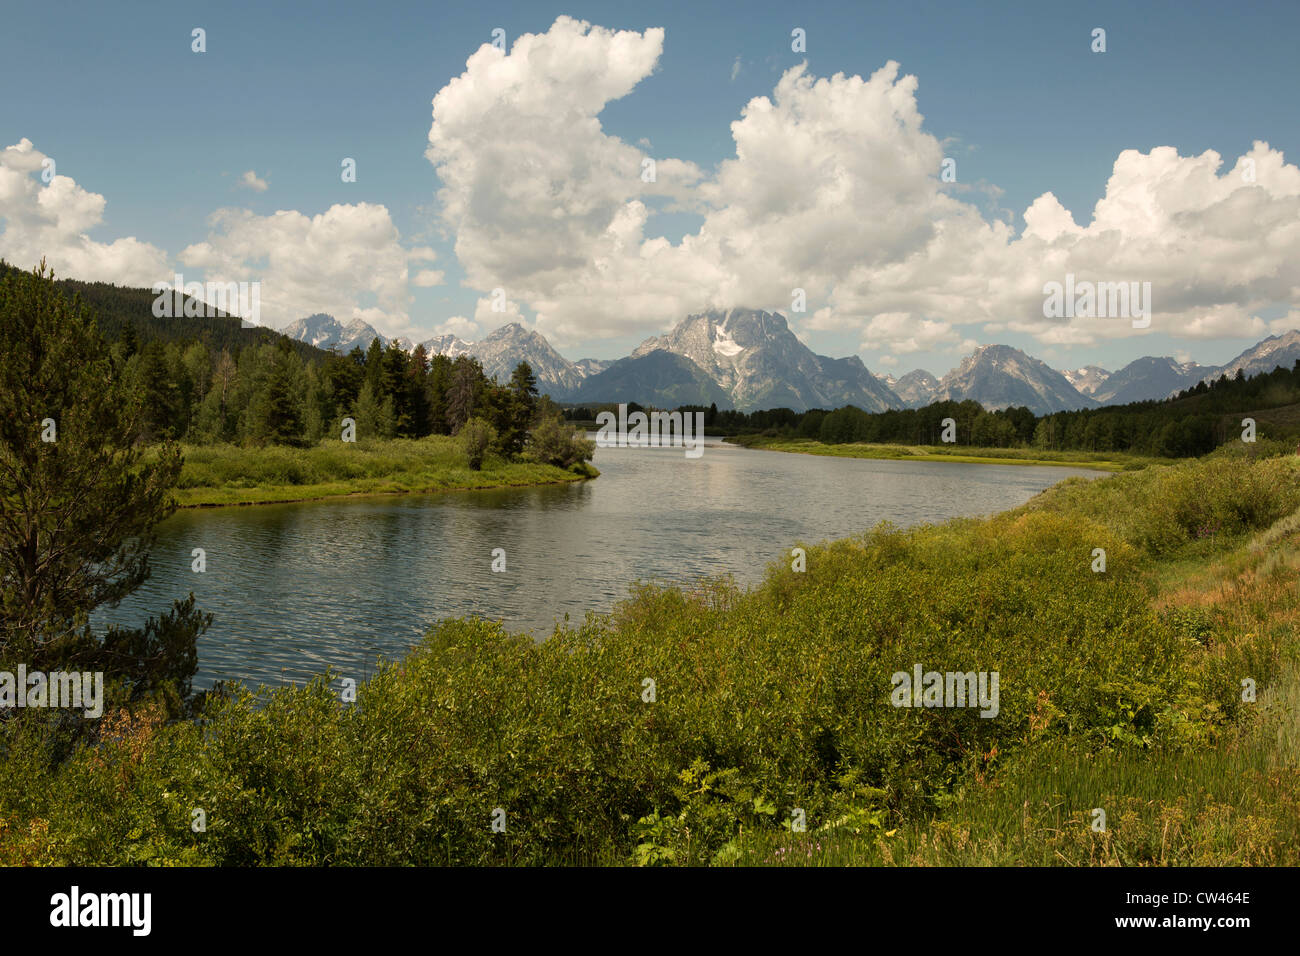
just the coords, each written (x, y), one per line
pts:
(1201, 504)
(209, 381)
(476, 437)
(554, 443)
(232, 474)
(80, 498)
(764, 702)
(278, 411)
(1193, 423)
(375, 418)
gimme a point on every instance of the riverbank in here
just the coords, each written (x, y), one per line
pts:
(699, 725)
(222, 475)
(1222, 791)
(1101, 461)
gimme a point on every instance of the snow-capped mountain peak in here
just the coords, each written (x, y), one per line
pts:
(326, 332)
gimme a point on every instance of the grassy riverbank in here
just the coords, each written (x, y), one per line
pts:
(232, 475)
(697, 725)
(1102, 461)
(1227, 795)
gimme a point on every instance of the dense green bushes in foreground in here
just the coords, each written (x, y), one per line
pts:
(764, 701)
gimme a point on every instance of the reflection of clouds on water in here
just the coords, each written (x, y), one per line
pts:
(297, 588)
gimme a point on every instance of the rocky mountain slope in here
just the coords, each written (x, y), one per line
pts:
(999, 376)
(759, 363)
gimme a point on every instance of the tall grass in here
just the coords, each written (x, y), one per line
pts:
(229, 474)
(1102, 461)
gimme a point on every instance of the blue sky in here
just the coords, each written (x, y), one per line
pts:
(114, 94)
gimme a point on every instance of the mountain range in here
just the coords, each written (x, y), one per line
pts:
(759, 363)
(326, 332)
(749, 359)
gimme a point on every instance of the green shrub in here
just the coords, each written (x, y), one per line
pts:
(553, 442)
(476, 437)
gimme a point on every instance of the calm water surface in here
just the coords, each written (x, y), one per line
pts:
(296, 588)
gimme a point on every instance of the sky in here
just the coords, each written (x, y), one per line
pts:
(921, 171)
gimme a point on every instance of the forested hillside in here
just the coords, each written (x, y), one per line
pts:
(208, 380)
(1192, 423)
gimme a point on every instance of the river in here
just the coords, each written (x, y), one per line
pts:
(295, 588)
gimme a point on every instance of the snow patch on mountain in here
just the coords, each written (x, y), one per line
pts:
(724, 344)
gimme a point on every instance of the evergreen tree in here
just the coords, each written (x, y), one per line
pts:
(281, 417)
(81, 499)
(375, 367)
(417, 375)
(437, 387)
(463, 392)
(523, 385)
(162, 398)
(374, 416)
(342, 376)
(397, 385)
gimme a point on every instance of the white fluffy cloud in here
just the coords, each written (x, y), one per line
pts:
(1217, 245)
(250, 180)
(461, 327)
(53, 221)
(904, 333)
(348, 261)
(544, 203)
(834, 189)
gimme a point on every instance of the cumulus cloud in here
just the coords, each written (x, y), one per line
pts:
(53, 221)
(1217, 245)
(251, 180)
(834, 189)
(1285, 324)
(904, 333)
(492, 312)
(542, 201)
(461, 327)
(348, 261)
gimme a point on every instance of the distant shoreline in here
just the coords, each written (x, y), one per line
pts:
(978, 456)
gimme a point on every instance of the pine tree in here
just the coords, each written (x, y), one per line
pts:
(524, 384)
(439, 382)
(417, 375)
(375, 367)
(81, 498)
(374, 417)
(462, 393)
(281, 417)
(397, 386)
(162, 398)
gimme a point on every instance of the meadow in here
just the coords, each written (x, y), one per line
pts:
(969, 454)
(234, 475)
(711, 725)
